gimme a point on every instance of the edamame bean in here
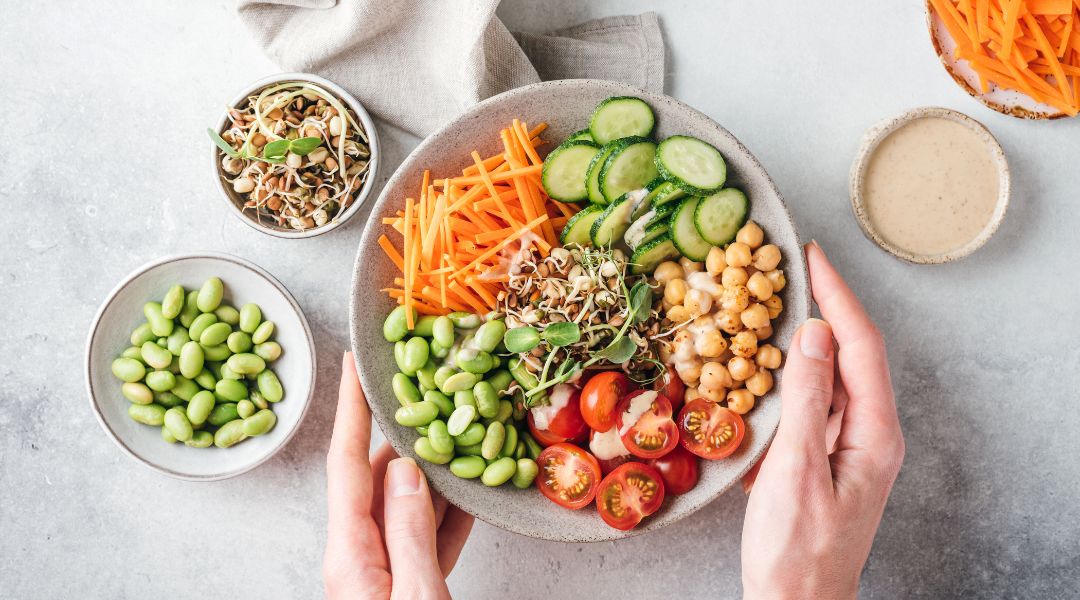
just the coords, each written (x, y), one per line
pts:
(423, 449)
(201, 439)
(487, 399)
(218, 353)
(488, 336)
(246, 363)
(250, 317)
(156, 356)
(473, 450)
(417, 414)
(137, 392)
(258, 400)
(526, 472)
(262, 332)
(493, 441)
(134, 352)
(268, 351)
(168, 399)
(415, 354)
(260, 422)
(510, 442)
(523, 376)
(245, 408)
(440, 438)
(439, 399)
(460, 419)
(519, 452)
(463, 398)
(474, 361)
(227, 373)
(147, 414)
(227, 314)
(458, 381)
(174, 367)
(473, 434)
(160, 381)
(142, 334)
(506, 410)
(215, 334)
(165, 435)
(442, 374)
(404, 389)
(222, 414)
(270, 386)
(173, 302)
(532, 449)
(422, 430)
(464, 320)
(399, 357)
(177, 339)
(468, 467)
(200, 406)
(191, 308)
(396, 326)
(210, 295)
(500, 379)
(184, 388)
(499, 472)
(199, 325)
(230, 434)
(424, 326)
(230, 390)
(177, 423)
(426, 375)
(192, 359)
(438, 350)
(442, 331)
(205, 378)
(238, 341)
(160, 325)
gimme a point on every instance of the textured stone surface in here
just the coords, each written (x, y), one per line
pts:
(104, 168)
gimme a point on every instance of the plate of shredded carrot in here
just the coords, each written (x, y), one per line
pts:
(1018, 57)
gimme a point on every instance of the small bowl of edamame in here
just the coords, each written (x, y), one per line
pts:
(247, 394)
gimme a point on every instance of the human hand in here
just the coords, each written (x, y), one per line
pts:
(821, 489)
(403, 547)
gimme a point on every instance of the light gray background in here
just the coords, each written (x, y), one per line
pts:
(103, 167)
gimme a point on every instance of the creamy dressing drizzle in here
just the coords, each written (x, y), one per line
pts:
(608, 445)
(639, 405)
(557, 399)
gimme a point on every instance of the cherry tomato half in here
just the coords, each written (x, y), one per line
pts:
(608, 449)
(568, 475)
(652, 433)
(710, 430)
(671, 386)
(629, 494)
(600, 397)
(564, 422)
(679, 470)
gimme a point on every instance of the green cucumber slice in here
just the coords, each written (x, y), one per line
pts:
(592, 181)
(668, 194)
(564, 170)
(648, 255)
(579, 226)
(691, 164)
(619, 117)
(580, 135)
(685, 235)
(608, 230)
(718, 217)
(630, 166)
(645, 229)
(653, 187)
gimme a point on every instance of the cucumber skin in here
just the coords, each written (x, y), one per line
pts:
(581, 214)
(651, 246)
(583, 134)
(745, 218)
(674, 230)
(620, 145)
(597, 163)
(611, 208)
(686, 187)
(570, 143)
(606, 101)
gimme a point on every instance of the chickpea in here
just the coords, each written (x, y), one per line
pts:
(678, 314)
(734, 276)
(697, 302)
(715, 375)
(711, 344)
(751, 235)
(768, 356)
(738, 254)
(740, 368)
(243, 185)
(760, 383)
(738, 385)
(729, 322)
(763, 333)
(777, 279)
(689, 266)
(704, 323)
(712, 394)
(668, 270)
(683, 345)
(766, 257)
(740, 401)
(691, 393)
(716, 261)
(665, 353)
(744, 344)
(759, 286)
(690, 370)
(755, 316)
(775, 306)
(675, 291)
(735, 298)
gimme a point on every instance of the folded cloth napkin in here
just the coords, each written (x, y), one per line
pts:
(418, 63)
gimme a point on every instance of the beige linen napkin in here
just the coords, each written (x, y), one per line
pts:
(419, 63)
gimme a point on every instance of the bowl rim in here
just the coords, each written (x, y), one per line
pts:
(877, 133)
(351, 102)
(107, 303)
(371, 232)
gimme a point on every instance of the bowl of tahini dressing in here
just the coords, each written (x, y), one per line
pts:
(929, 186)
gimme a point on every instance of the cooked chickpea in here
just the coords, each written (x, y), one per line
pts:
(668, 270)
(777, 279)
(755, 316)
(710, 344)
(712, 394)
(738, 254)
(751, 235)
(698, 302)
(759, 286)
(734, 276)
(665, 352)
(735, 298)
(768, 356)
(691, 393)
(738, 385)
(740, 401)
(729, 322)
(760, 383)
(763, 333)
(741, 368)
(683, 345)
(689, 266)
(675, 291)
(715, 375)
(774, 305)
(766, 257)
(678, 314)
(716, 261)
(689, 370)
(744, 344)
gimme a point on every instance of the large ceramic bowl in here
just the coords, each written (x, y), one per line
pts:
(565, 106)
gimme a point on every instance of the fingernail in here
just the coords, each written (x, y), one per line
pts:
(815, 244)
(816, 340)
(403, 477)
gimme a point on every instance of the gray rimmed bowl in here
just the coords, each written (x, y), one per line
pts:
(122, 311)
(236, 202)
(446, 152)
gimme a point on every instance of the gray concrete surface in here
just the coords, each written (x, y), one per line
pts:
(103, 168)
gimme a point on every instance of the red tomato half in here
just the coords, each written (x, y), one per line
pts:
(568, 475)
(629, 494)
(671, 387)
(652, 434)
(566, 424)
(608, 465)
(600, 398)
(710, 430)
(679, 470)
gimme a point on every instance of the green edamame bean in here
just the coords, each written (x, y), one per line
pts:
(210, 295)
(464, 320)
(238, 341)
(500, 379)
(245, 408)
(222, 414)
(246, 363)
(142, 334)
(176, 340)
(199, 325)
(159, 324)
(165, 435)
(174, 367)
(463, 398)
(133, 352)
(460, 419)
(442, 331)
(250, 317)
(493, 441)
(227, 373)
(532, 449)
(474, 361)
(399, 357)
(269, 351)
(227, 314)
(438, 350)
(162, 341)
(200, 406)
(177, 423)
(488, 336)
(205, 378)
(506, 410)
(215, 334)
(191, 308)
(422, 430)
(147, 414)
(439, 399)
(192, 359)
(473, 450)
(230, 434)
(156, 356)
(519, 452)
(404, 389)
(423, 449)
(520, 412)
(468, 467)
(160, 381)
(260, 422)
(487, 399)
(523, 376)
(184, 388)
(258, 400)
(216, 353)
(201, 439)
(510, 442)
(415, 354)
(473, 434)
(270, 386)
(230, 390)
(262, 332)
(458, 381)
(396, 326)
(526, 473)
(168, 399)
(426, 375)
(214, 367)
(137, 392)
(173, 302)
(440, 438)
(499, 472)
(442, 374)
(417, 414)
(424, 326)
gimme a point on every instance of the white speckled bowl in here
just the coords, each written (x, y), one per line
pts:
(565, 106)
(122, 311)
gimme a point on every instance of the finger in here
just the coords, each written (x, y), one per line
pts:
(806, 394)
(751, 475)
(453, 533)
(382, 456)
(410, 532)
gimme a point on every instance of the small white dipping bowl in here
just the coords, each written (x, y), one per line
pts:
(122, 312)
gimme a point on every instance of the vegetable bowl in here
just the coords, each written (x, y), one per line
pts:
(378, 272)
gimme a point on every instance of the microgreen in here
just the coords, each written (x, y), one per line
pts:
(620, 350)
(562, 334)
(221, 143)
(521, 339)
(304, 146)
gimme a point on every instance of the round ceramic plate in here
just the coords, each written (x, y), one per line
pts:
(565, 106)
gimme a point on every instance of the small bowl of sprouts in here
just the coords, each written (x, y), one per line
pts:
(295, 155)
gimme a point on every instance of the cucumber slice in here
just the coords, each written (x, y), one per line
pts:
(668, 194)
(619, 117)
(592, 181)
(719, 217)
(685, 235)
(579, 226)
(691, 164)
(645, 229)
(647, 256)
(662, 214)
(609, 229)
(580, 135)
(653, 187)
(564, 170)
(630, 166)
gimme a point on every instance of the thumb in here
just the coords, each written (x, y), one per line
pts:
(806, 392)
(410, 533)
